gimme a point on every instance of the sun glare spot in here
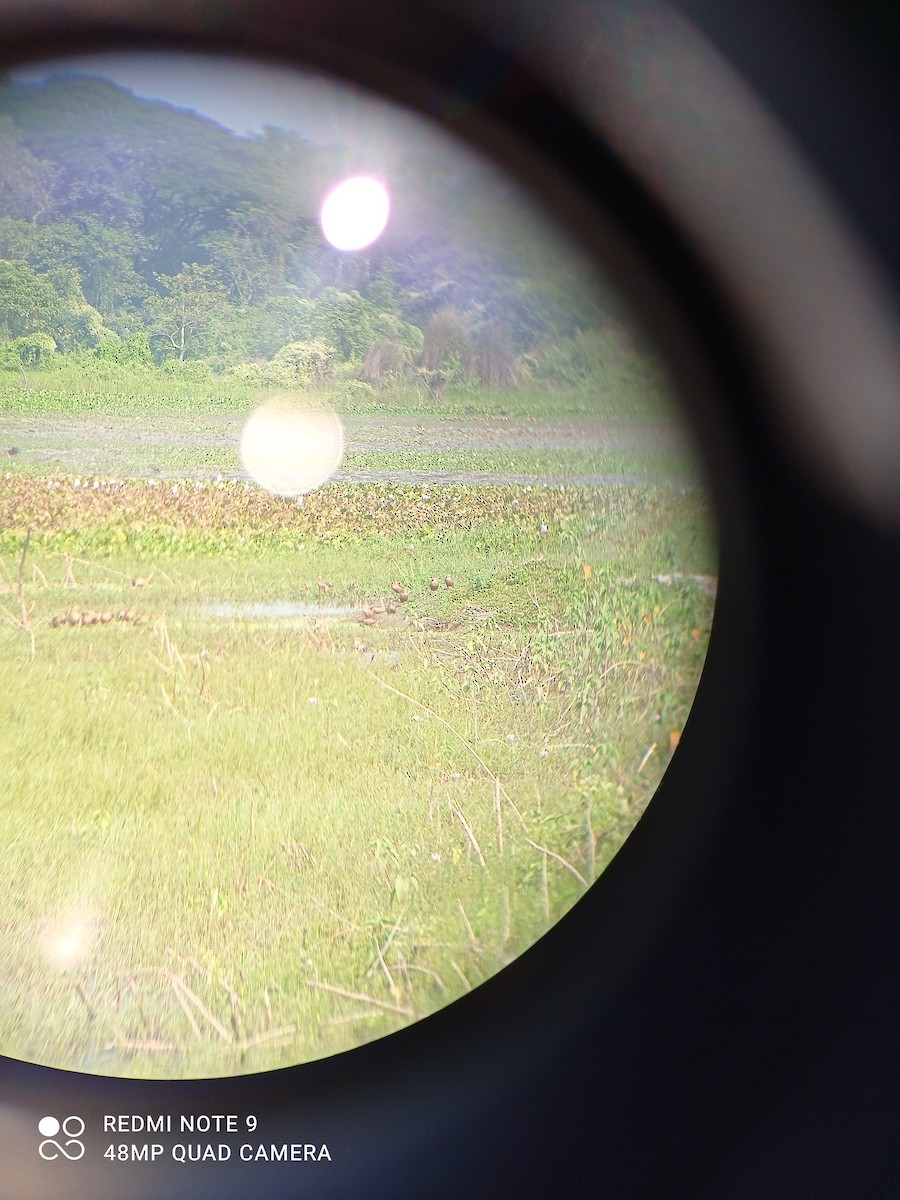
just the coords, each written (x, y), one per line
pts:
(355, 213)
(69, 940)
(290, 451)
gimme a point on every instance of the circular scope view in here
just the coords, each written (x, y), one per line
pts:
(357, 571)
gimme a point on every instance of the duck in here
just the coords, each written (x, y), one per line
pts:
(397, 588)
(449, 581)
(434, 585)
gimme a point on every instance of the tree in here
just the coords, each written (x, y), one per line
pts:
(496, 363)
(26, 183)
(104, 257)
(184, 317)
(28, 302)
(16, 237)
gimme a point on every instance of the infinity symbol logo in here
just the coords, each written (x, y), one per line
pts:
(72, 1127)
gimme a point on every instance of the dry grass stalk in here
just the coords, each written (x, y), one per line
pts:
(470, 933)
(285, 1034)
(456, 967)
(361, 997)
(23, 608)
(130, 1045)
(591, 843)
(394, 990)
(235, 1011)
(427, 971)
(79, 992)
(459, 737)
(559, 858)
(348, 925)
(468, 828)
(647, 756)
(186, 1009)
(180, 986)
(499, 813)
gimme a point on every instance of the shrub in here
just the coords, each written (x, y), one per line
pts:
(300, 363)
(387, 360)
(32, 348)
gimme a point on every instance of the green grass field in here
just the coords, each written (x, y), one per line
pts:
(242, 837)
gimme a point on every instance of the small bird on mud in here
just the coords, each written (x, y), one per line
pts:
(434, 585)
(449, 581)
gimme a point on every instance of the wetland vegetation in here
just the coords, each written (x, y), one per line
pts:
(282, 774)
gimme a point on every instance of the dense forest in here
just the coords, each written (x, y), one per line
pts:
(135, 232)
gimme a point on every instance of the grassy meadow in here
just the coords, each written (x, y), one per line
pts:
(257, 808)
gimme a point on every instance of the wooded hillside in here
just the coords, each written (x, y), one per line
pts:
(135, 231)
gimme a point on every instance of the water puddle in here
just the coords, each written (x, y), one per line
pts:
(277, 610)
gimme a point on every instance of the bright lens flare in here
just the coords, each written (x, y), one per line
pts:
(69, 940)
(290, 451)
(355, 213)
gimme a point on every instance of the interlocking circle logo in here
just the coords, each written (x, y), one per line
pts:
(72, 1127)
